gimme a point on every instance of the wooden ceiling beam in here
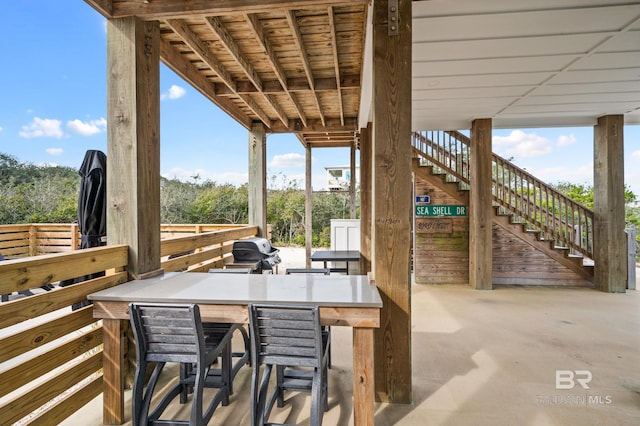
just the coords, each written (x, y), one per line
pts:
(185, 69)
(258, 32)
(315, 125)
(216, 25)
(336, 62)
(257, 110)
(201, 50)
(297, 37)
(294, 84)
(229, 43)
(166, 9)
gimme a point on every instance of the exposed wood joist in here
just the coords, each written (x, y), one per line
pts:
(201, 50)
(336, 62)
(232, 47)
(160, 9)
(258, 32)
(204, 53)
(295, 66)
(304, 57)
(315, 125)
(294, 85)
(185, 69)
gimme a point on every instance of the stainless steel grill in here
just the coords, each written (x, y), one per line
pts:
(256, 249)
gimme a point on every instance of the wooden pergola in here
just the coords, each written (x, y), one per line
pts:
(338, 73)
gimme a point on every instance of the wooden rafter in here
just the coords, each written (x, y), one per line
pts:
(297, 37)
(336, 59)
(294, 85)
(185, 69)
(201, 50)
(294, 65)
(216, 25)
(161, 9)
(258, 32)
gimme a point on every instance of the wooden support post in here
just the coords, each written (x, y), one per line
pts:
(352, 181)
(609, 240)
(366, 165)
(308, 207)
(258, 178)
(480, 215)
(391, 197)
(133, 141)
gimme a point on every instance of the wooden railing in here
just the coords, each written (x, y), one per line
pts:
(51, 354)
(558, 217)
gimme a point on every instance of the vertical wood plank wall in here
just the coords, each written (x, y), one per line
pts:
(442, 258)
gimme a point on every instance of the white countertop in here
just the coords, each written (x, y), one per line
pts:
(234, 289)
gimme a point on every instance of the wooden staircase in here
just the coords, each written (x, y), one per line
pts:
(525, 207)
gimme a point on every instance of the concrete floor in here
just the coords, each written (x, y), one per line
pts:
(489, 358)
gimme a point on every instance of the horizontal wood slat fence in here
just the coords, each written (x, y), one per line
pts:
(51, 354)
(557, 217)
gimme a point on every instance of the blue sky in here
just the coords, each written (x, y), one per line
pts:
(53, 109)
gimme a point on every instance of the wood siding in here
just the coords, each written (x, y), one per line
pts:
(443, 258)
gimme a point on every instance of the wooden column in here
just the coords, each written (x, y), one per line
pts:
(133, 142)
(352, 181)
(609, 240)
(480, 214)
(391, 198)
(133, 169)
(308, 207)
(366, 164)
(258, 178)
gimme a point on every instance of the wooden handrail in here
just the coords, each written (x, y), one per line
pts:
(543, 208)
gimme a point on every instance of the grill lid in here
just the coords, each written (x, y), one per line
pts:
(261, 245)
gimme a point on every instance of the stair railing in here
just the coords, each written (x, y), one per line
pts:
(559, 218)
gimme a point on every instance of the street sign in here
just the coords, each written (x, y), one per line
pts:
(442, 210)
(423, 199)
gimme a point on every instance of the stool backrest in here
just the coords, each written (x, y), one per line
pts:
(167, 333)
(286, 335)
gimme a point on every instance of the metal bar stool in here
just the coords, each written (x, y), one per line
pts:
(173, 333)
(287, 336)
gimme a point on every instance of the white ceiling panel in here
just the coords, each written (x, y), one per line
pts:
(586, 88)
(582, 98)
(525, 63)
(472, 93)
(522, 24)
(598, 76)
(492, 66)
(605, 61)
(491, 80)
(499, 48)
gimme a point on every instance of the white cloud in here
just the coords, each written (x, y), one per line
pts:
(87, 128)
(567, 140)
(635, 155)
(521, 145)
(286, 161)
(40, 128)
(54, 151)
(575, 174)
(174, 92)
(0, 129)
